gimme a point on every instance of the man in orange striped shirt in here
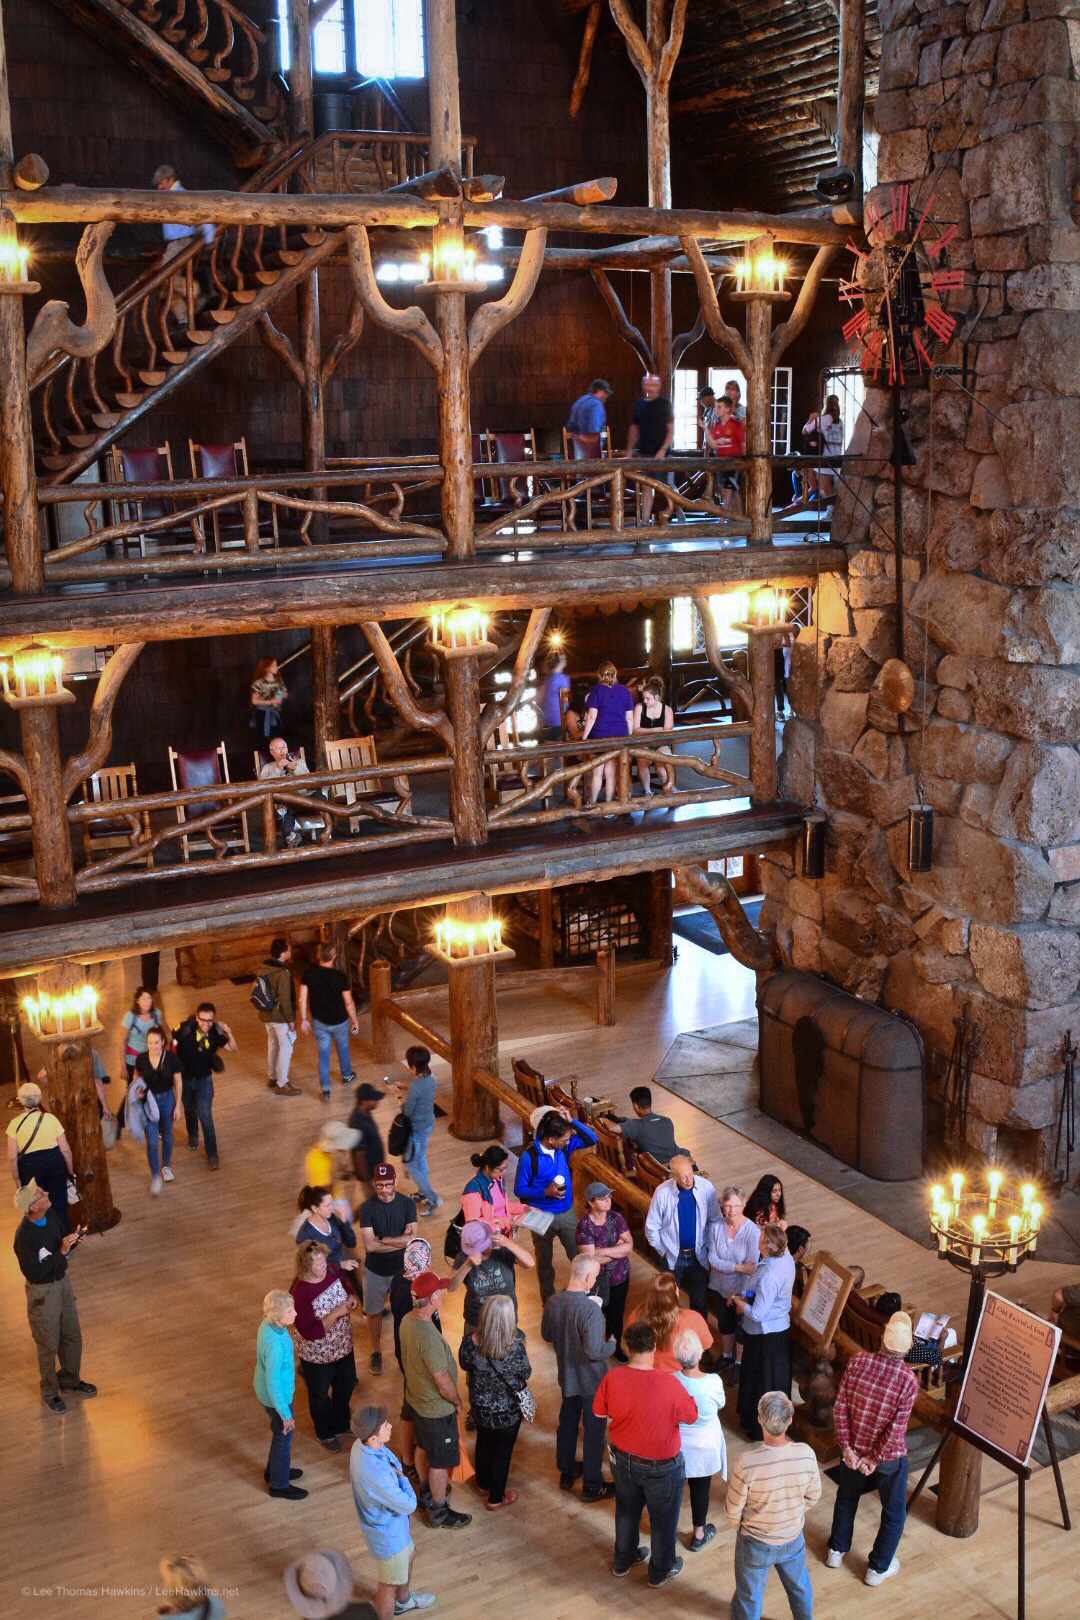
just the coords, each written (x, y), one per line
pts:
(770, 1489)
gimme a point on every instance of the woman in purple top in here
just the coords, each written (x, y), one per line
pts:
(609, 712)
(603, 1233)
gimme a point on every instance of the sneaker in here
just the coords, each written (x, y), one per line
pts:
(167, 1175)
(333, 1444)
(639, 1558)
(81, 1388)
(415, 1600)
(375, 1364)
(833, 1559)
(566, 1481)
(213, 1161)
(598, 1493)
(55, 1403)
(288, 1090)
(348, 1079)
(874, 1577)
(291, 1493)
(444, 1517)
(155, 1186)
(695, 1543)
(676, 1569)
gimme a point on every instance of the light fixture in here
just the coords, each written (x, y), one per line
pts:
(768, 607)
(33, 676)
(759, 274)
(14, 259)
(985, 1233)
(813, 845)
(920, 837)
(451, 266)
(460, 631)
(458, 942)
(61, 1018)
(835, 185)
(556, 640)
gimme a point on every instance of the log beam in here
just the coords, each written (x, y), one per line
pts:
(584, 67)
(379, 986)
(851, 93)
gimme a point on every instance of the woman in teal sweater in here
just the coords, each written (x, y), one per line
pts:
(275, 1382)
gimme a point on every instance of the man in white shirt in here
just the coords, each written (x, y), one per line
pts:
(677, 1226)
(282, 763)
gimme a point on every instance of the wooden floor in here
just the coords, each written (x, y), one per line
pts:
(169, 1456)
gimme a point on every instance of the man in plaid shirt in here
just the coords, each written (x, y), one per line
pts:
(873, 1405)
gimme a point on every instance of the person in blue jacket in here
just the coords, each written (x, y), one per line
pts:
(544, 1180)
(275, 1383)
(384, 1499)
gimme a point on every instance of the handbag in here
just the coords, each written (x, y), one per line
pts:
(399, 1136)
(524, 1396)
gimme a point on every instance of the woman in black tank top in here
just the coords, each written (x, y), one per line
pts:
(651, 713)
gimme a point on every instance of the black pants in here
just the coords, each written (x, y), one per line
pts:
(329, 1386)
(766, 1364)
(615, 1310)
(699, 1500)
(693, 1278)
(494, 1449)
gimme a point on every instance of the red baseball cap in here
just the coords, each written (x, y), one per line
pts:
(428, 1283)
(383, 1174)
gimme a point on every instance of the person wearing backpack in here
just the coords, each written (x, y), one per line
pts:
(545, 1181)
(273, 995)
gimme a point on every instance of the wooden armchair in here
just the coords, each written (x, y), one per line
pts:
(312, 821)
(611, 1146)
(358, 753)
(650, 1172)
(559, 1097)
(505, 781)
(865, 1325)
(147, 464)
(206, 767)
(112, 785)
(227, 522)
(530, 1083)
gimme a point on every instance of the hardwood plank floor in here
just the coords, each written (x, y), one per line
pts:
(169, 1455)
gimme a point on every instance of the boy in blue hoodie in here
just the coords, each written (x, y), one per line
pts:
(384, 1500)
(544, 1180)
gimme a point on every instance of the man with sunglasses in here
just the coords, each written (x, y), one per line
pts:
(197, 1043)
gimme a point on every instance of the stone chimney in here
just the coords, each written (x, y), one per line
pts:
(991, 532)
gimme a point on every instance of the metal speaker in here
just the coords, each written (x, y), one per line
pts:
(920, 837)
(835, 185)
(813, 846)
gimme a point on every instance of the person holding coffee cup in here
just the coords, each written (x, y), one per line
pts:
(544, 1181)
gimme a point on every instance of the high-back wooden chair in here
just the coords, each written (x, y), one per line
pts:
(359, 753)
(206, 768)
(312, 821)
(530, 1083)
(226, 525)
(145, 464)
(559, 1097)
(112, 785)
(865, 1324)
(482, 454)
(650, 1172)
(504, 781)
(589, 447)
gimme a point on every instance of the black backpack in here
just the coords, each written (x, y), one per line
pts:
(399, 1136)
(452, 1243)
(262, 995)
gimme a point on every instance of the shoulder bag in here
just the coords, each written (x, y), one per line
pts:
(524, 1396)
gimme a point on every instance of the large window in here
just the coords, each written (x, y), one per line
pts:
(849, 386)
(381, 38)
(720, 376)
(687, 433)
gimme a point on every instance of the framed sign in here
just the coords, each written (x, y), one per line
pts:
(823, 1299)
(1005, 1381)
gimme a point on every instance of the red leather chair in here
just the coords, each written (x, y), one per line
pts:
(206, 767)
(146, 464)
(227, 522)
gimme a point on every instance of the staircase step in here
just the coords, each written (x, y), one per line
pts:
(313, 238)
(266, 278)
(81, 441)
(152, 378)
(290, 255)
(176, 357)
(54, 463)
(193, 54)
(217, 75)
(129, 400)
(198, 336)
(245, 295)
(106, 419)
(222, 316)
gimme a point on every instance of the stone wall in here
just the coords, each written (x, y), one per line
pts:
(991, 567)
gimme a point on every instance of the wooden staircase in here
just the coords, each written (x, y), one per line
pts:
(206, 56)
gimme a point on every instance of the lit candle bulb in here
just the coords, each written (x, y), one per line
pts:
(937, 1194)
(1036, 1222)
(978, 1226)
(4, 677)
(57, 669)
(940, 1223)
(1027, 1194)
(994, 1180)
(1014, 1238)
(957, 1183)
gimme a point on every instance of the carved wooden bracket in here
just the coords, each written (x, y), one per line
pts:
(491, 317)
(718, 329)
(729, 678)
(99, 740)
(54, 329)
(627, 331)
(745, 942)
(501, 708)
(347, 339)
(436, 720)
(277, 342)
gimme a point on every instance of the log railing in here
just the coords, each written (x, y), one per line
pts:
(223, 42)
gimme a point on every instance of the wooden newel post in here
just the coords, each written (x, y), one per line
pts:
(759, 419)
(474, 1033)
(959, 1484)
(761, 643)
(49, 831)
(605, 986)
(72, 1097)
(461, 678)
(382, 1029)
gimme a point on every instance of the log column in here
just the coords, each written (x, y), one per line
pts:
(761, 644)
(758, 420)
(474, 1033)
(959, 1485)
(72, 1097)
(461, 680)
(49, 831)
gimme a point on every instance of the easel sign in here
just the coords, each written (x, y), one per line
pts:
(1006, 1376)
(823, 1299)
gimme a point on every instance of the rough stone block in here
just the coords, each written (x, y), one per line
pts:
(902, 156)
(804, 680)
(1029, 50)
(960, 753)
(955, 932)
(838, 962)
(929, 1006)
(1031, 701)
(847, 666)
(850, 920)
(889, 801)
(806, 945)
(1038, 799)
(1026, 967)
(936, 966)
(833, 614)
(875, 629)
(1050, 101)
(1045, 287)
(976, 874)
(796, 764)
(1065, 863)
(900, 62)
(979, 53)
(1065, 906)
(990, 490)
(1015, 180)
(805, 899)
(964, 614)
(843, 719)
(953, 671)
(977, 804)
(1054, 243)
(1043, 626)
(874, 870)
(1008, 252)
(1036, 440)
(1027, 1108)
(1047, 352)
(953, 705)
(872, 753)
(943, 794)
(842, 782)
(1034, 547)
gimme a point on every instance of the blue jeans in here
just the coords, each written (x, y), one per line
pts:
(889, 1479)
(337, 1035)
(753, 1561)
(657, 1486)
(198, 1100)
(161, 1130)
(576, 1409)
(417, 1164)
(277, 1464)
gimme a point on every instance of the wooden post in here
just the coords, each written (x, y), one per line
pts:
(325, 702)
(50, 835)
(382, 1036)
(759, 420)
(72, 1097)
(474, 1034)
(461, 678)
(851, 94)
(545, 911)
(443, 93)
(660, 913)
(763, 774)
(605, 986)
(959, 1484)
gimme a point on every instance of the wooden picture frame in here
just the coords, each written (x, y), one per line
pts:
(821, 1306)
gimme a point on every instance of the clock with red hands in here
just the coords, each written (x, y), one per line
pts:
(898, 288)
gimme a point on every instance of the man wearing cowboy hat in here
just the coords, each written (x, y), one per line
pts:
(320, 1587)
(42, 1248)
(873, 1404)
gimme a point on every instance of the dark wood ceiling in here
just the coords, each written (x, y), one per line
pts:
(753, 97)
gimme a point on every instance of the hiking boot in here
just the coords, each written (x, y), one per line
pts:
(441, 1516)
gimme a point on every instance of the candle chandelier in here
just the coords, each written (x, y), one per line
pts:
(989, 1232)
(456, 632)
(32, 677)
(458, 942)
(61, 1018)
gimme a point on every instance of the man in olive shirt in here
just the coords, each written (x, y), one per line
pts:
(649, 1132)
(432, 1402)
(41, 1248)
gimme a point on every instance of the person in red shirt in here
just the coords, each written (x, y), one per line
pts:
(644, 1408)
(727, 437)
